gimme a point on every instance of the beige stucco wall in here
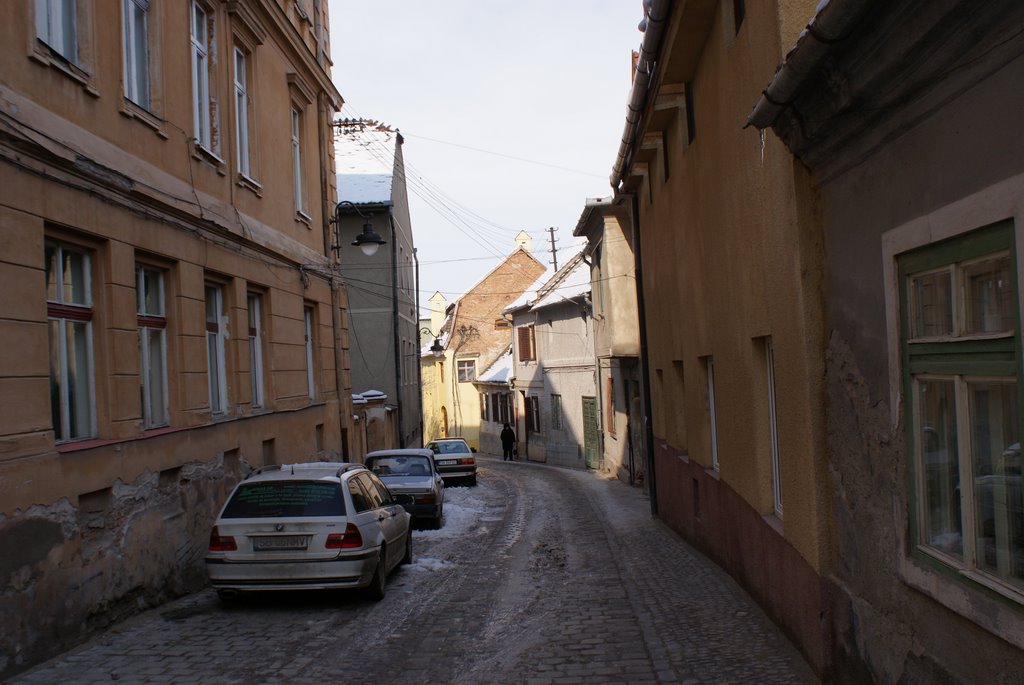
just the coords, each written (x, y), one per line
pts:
(730, 257)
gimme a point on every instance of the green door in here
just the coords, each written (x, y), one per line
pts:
(591, 438)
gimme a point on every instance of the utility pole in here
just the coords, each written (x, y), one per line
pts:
(553, 250)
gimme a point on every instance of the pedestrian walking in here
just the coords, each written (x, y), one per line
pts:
(508, 443)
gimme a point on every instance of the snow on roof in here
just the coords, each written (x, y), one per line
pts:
(575, 283)
(571, 280)
(499, 371)
(364, 158)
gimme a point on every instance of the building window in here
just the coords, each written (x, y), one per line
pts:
(440, 371)
(57, 26)
(242, 99)
(308, 323)
(533, 414)
(709, 371)
(216, 334)
(152, 323)
(467, 370)
(556, 412)
(483, 406)
(202, 42)
(255, 301)
(527, 344)
(739, 11)
(959, 348)
(496, 406)
(69, 313)
(298, 188)
(691, 119)
(773, 427)
(609, 405)
(135, 16)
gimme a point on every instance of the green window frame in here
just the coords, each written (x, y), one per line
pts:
(960, 348)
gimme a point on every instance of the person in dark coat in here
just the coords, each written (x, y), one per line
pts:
(508, 443)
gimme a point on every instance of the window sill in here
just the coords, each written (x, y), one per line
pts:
(139, 113)
(204, 154)
(990, 604)
(303, 218)
(46, 56)
(250, 184)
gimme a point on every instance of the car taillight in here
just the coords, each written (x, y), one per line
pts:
(350, 539)
(425, 499)
(467, 460)
(221, 543)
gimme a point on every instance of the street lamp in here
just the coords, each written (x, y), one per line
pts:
(436, 349)
(368, 241)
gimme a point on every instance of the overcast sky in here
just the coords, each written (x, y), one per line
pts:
(539, 80)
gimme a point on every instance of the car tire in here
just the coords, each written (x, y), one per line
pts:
(472, 479)
(375, 590)
(407, 559)
(436, 522)
(227, 596)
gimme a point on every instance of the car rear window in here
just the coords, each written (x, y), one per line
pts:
(285, 498)
(399, 466)
(449, 447)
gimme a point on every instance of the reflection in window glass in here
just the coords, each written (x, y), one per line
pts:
(940, 461)
(989, 298)
(931, 305)
(995, 446)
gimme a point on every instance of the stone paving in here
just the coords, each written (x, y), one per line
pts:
(540, 576)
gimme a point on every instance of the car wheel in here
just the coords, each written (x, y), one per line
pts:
(407, 559)
(436, 523)
(375, 590)
(472, 479)
(227, 596)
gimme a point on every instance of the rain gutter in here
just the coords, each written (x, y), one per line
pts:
(832, 23)
(655, 18)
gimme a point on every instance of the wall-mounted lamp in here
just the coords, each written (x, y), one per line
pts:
(436, 349)
(512, 383)
(368, 241)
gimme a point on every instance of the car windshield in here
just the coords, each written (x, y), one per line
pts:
(399, 466)
(290, 498)
(454, 447)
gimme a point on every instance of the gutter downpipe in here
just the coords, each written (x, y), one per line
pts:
(395, 322)
(645, 365)
(419, 342)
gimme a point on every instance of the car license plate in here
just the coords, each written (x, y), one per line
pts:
(448, 462)
(280, 542)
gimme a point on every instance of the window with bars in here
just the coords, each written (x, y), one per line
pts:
(152, 323)
(69, 313)
(960, 342)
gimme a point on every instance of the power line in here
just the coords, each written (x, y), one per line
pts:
(506, 156)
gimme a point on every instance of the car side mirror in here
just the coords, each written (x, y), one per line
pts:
(473, 450)
(404, 500)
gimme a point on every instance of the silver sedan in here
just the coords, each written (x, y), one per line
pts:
(411, 472)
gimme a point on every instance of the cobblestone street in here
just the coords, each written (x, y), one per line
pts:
(540, 575)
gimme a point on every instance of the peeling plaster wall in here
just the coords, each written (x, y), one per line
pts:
(886, 629)
(68, 570)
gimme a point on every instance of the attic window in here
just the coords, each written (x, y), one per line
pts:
(502, 324)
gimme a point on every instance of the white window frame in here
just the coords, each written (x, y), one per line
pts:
(57, 26)
(216, 362)
(255, 316)
(241, 69)
(200, 51)
(308, 327)
(64, 313)
(298, 182)
(149, 321)
(137, 75)
(773, 427)
(467, 364)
